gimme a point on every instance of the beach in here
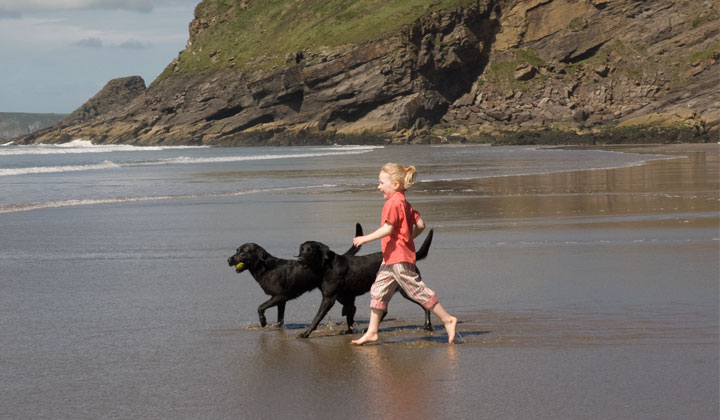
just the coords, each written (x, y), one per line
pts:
(583, 292)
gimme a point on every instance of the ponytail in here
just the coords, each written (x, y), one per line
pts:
(404, 176)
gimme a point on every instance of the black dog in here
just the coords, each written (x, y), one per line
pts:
(282, 279)
(344, 277)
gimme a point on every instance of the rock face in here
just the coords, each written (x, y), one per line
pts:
(110, 102)
(116, 94)
(489, 67)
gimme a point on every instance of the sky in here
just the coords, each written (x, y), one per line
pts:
(57, 54)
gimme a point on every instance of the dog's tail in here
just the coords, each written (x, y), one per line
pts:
(425, 247)
(354, 249)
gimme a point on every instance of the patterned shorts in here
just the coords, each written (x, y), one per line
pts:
(405, 275)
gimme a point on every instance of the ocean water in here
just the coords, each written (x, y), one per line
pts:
(79, 173)
(585, 280)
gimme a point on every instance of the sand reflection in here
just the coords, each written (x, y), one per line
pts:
(686, 184)
(407, 382)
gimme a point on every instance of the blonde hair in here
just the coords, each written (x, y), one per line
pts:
(398, 173)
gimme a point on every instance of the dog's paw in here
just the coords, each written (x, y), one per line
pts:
(304, 334)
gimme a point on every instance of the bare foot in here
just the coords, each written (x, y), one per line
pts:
(450, 328)
(367, 338)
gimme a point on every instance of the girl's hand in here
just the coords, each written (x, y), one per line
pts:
(359, 240)
(382, 232)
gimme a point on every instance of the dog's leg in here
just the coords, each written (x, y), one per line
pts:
(349, 310)
(275, 300)
(325, 306)
(428, 325)
(281, 313)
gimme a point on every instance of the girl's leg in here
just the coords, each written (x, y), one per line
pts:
(371, 335)
(380, 293)
(410, 280)
(448, 320)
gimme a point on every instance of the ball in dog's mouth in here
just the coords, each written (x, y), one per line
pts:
(239, 267)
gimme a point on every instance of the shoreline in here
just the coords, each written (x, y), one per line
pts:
(687, 132)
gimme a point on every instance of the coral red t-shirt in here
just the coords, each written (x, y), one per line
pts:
(399, 246)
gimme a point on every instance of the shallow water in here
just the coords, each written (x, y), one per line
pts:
(588, 294)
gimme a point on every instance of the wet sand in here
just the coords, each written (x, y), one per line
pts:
(590, 294)
(581, 295)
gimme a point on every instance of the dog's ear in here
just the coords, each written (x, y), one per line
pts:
(262, 256)
(328, 256)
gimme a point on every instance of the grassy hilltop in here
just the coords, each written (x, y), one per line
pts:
(259, 35)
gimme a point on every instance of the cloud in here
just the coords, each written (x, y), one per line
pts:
(133, 44)
(13, 8)
(89, 43)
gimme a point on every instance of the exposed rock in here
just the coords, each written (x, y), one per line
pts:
(116, 94)
(112, 100)
(602, 70)
(678, 117)
(579, 115)
(525, 72)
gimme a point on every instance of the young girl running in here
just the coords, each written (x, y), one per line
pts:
(400, 224)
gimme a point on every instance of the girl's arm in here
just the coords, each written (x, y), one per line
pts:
(419, 227)
(382, 232)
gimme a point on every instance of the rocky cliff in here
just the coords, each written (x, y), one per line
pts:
(456, 69)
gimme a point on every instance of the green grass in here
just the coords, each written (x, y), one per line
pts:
(631, 59)
(710, 52)
(709, 16)
(502, 73)
(577, 24)
(680, 75)
(261, 36)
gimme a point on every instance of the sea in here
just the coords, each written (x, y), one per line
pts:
(79, 173)
(586, 282)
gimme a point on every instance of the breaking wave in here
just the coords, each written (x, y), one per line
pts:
(55, 169)
(15, 208)
(107, 164)
(83, 146)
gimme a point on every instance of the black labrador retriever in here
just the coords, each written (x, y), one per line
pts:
(344, 277)
(282, 279)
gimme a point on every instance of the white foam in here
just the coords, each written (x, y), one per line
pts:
(16, 208)
(183, 160)
(84, 146)
(55, 169)
(222, 159)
